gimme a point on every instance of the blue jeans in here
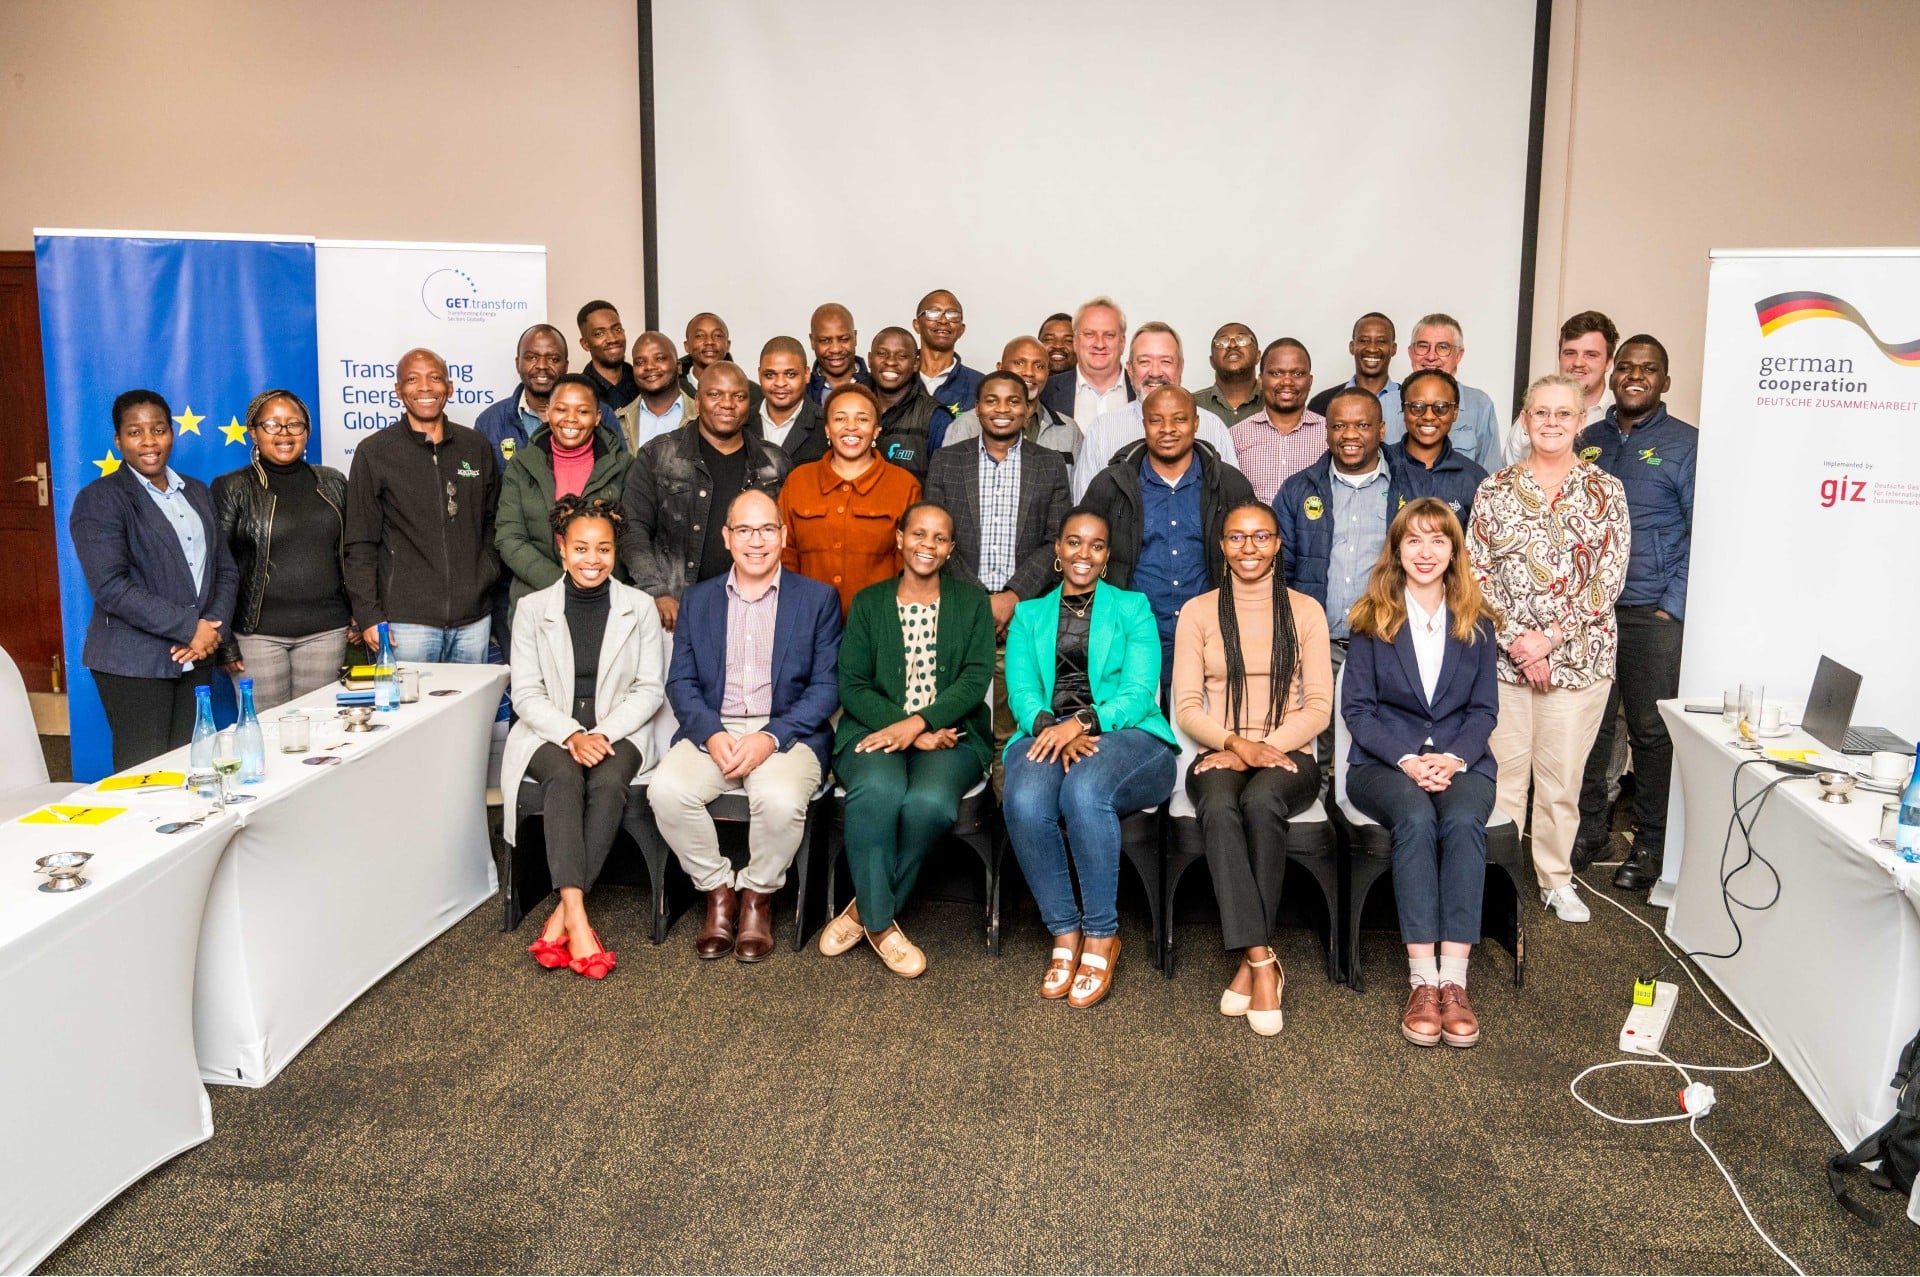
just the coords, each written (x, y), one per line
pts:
(1439, 849)
(1134, 769)
(423, 644)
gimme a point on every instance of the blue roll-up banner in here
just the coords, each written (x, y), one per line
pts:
(208, 323)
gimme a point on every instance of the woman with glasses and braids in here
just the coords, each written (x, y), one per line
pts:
(1253, 685)
(281, 517)
(588, 675)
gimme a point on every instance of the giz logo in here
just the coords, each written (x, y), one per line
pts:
(1840, 491)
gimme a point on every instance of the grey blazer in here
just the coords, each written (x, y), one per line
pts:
(953, 479)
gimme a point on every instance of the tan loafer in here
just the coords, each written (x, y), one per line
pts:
(902, 956)
(843, 932)
(1059, 975)
(1094, 978)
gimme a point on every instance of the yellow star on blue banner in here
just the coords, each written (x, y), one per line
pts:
(234, 431)
(108, 464)
(188, 422)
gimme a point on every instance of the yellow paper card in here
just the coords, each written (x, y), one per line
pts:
(145, 780)
(1792, 755)
(62, 814)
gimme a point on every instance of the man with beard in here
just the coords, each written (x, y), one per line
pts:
(1235, 393)
(1025, 358)
(1372, 347)
(834, 341)
(941, 323)
(911, 423)
(604, 338)
(787, 418)
(708, 343)
(660, 407)
(1155, 360)
(1284, 437)
(675, 499)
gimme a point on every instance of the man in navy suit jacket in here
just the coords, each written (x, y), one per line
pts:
(753, 681)
(162, 580)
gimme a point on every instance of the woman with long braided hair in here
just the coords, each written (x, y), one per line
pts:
(1253, 684)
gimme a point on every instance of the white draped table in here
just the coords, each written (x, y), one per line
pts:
(338, 874)
(98, 1080)
(1830, 975)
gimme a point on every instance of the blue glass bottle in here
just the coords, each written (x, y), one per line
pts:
(1907, 839)
(386, 692)
(200, 753)
(248, 739)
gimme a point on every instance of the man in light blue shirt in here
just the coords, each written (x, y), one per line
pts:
(1437, 343)
(1373, 347)
(661, 407)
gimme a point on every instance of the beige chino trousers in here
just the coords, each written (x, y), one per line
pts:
(778, 792)
(1546, 737)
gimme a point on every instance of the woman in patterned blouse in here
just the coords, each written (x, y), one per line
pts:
(917, 733)
(1549, 546)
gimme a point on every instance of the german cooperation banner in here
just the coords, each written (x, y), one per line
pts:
(468, 303)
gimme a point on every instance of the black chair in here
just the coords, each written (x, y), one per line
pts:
(1311, 846)
(1368, 858)
(525, 882)
(977, 825)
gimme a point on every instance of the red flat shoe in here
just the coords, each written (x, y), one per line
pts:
(595, 966)
(551, 954)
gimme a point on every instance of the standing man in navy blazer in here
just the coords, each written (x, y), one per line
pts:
(753, 681)
(162, 580)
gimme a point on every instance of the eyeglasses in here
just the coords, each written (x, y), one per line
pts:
(1439, 408)
(1558, 416)
(281, 428)
(932, 315)
(1261, 539)
(1233, 343)
(1441, 348)
(754, 532)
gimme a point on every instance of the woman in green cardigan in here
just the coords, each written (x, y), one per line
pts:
(1090, 745)
(573, 454)
(915, 667)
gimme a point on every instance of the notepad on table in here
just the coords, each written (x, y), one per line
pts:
(68, 814)
(144, 780)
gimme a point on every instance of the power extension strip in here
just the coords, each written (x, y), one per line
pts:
(1646, 1026)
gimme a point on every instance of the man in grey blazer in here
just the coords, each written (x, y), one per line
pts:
(1008, 498)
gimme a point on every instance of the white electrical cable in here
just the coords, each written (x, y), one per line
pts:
(1691, 1119)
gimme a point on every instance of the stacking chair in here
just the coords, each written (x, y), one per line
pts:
(1368, 859)
(976, 825)
(23, 767)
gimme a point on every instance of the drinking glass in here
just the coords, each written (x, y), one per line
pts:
(296, 733)
(409, 682)
(226, 761)
(1753, 699)
(1730, 705)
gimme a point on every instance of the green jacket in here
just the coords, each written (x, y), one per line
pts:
(521, 531)
(873, 666)
(1123, 662)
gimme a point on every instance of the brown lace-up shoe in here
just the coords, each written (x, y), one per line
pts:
(1459, 1026)
(1420, 1024)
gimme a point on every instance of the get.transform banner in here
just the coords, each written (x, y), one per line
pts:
(209, 321)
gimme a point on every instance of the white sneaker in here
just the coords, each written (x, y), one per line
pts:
(1566, 903)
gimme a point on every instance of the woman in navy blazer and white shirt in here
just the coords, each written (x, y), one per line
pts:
(1420, 695)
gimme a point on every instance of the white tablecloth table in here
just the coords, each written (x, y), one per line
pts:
(1830, 975)
(338, 874)
(98, 1079)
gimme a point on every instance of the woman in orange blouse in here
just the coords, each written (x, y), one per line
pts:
(840, 511)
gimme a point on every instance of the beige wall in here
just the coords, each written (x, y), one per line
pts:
(1679, 126)
(465, 120)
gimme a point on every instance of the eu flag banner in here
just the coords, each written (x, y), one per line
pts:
(206, 322)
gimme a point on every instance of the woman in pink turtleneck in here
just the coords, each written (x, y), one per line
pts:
(572, 454)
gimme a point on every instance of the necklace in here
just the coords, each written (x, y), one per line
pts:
(1066, 601)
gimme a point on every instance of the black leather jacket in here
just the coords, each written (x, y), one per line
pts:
(244, 505)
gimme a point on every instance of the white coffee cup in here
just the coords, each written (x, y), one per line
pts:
(1889, 765)
(1772, 716)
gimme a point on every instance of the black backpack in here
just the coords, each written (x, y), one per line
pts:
(1895, 1146)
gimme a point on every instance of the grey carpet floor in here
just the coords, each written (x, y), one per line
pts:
(473, 1113)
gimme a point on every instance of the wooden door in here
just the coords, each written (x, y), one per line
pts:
(29, 570)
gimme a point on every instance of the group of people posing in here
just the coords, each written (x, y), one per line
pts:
(1069, 577)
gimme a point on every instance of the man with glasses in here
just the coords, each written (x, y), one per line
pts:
(753, 681)
(417, 535)
(1373, 347)
(675, 496)
(1284, 437)
(1056, 334)
(1235, 393)
(940, 322)
(1025, 358)
(1426, 457)
(1652, 453)
(911, 423)
(1586, 355)
(835, 361)
(1437, 343)
(1154, 361)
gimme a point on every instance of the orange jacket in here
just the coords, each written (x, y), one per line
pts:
(840, 531)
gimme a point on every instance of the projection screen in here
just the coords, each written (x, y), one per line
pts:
(1288, 165)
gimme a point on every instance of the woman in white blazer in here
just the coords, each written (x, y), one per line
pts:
(588, 675)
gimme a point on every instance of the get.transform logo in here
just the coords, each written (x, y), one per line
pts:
(451, 294)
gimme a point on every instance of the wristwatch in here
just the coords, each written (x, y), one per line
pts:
(1089, 721)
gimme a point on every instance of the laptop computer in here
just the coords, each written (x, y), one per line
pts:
(1829, 715)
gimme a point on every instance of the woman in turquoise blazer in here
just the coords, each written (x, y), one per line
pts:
(1090, 745)
(917, 733)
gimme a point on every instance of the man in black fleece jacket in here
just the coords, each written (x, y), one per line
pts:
(419, 525)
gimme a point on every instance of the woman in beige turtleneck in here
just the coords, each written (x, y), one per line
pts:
(1259, 769)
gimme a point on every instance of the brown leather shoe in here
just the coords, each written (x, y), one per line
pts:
(716, 936)
(756, 926)
(1421, 1023)
(1459, 1026)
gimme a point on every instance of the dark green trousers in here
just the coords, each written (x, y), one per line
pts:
(898, 806)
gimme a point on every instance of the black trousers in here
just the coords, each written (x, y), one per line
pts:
(583, 809)
(1243, 821)
(149, 716)
(1646, 672)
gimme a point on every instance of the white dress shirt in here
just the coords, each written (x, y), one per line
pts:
(1429, 637)
(1089, 403)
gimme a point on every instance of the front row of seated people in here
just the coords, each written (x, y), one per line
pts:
(760, 664)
